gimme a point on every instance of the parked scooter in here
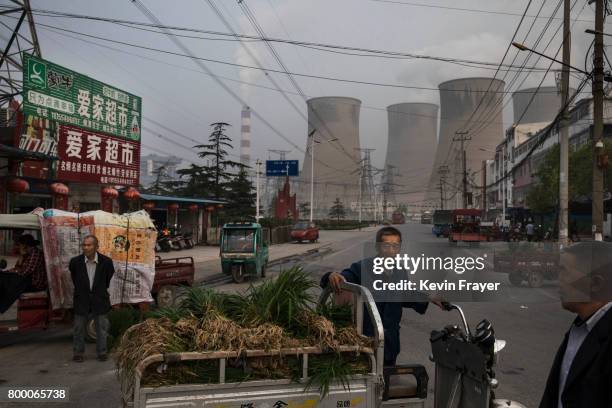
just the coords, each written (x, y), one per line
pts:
(464, 364)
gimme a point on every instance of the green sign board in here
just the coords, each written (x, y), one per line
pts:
(59, 94)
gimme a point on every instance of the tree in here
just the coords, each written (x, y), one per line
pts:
(162, 184)
(337, 210)
(543, 196)
(304, 209)
(217, 150)
(402, 208)
(195, 181)
(240, 196)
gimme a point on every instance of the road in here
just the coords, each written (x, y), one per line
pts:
(533, 332)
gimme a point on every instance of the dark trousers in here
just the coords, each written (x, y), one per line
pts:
(11, 286)
(80, 326)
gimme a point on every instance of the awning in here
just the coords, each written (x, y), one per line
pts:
(19, 221)
(167, 199)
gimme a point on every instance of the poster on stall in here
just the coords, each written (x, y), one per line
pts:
(128, 239)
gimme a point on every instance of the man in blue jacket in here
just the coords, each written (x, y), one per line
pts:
(388, 244)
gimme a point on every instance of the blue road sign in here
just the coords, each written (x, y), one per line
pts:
(281, 168)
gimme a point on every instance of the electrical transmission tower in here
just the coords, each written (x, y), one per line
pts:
(17, 27)
(388, 187)
(366, 182)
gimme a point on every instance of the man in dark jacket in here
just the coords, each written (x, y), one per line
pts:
(581, 374)
(91, 275)
(388, 241)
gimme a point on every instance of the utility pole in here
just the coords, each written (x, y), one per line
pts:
(484, 187)
(564, 130)
(257, 171)
(598, 146)
(442, 171)
(462, 136)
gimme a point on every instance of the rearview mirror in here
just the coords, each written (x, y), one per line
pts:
(3, 264)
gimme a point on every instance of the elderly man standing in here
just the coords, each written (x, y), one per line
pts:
(91, 274)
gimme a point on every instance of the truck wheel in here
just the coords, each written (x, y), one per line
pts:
(515, 278)
(90, 331)
(166, 296)
(237, 274)
(535, 279)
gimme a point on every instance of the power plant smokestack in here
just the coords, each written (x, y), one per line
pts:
(544, 107)
(336, 163)
(473, 105)
(245, 136)
(411, 147)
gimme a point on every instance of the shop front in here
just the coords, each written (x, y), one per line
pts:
(181, 215)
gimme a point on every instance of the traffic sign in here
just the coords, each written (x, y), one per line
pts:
(281, 168)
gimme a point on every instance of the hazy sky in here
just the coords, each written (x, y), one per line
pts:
(177, 93)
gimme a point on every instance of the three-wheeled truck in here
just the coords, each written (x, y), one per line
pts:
(36, 312)
(243, 250)
(466, 226)
(464, 376)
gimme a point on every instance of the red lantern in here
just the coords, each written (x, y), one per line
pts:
(173, 207)
(210, 208)
(131, 194)
(59, 189)
(194, 208)
(17, 185)
(149, 205)
(110, 192)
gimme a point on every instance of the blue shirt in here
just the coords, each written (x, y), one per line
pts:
(578, 332)
(390, 312)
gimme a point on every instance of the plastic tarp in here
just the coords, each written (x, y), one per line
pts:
(128, 239)
(27, 221)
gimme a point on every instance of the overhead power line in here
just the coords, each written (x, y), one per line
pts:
(470, 10)
(162, 28)
(268, 70)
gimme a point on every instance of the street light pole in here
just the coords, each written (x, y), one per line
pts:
(257, 170)
(312, 142)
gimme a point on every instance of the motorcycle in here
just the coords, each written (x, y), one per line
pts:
(188, 241)
(464, 365)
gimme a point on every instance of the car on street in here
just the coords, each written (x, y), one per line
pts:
(305, 231)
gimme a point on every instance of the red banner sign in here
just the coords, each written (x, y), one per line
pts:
(92, 157)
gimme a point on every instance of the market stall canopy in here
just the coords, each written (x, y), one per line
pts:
(27, 221)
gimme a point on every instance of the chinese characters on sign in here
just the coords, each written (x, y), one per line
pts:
(86, 156)
(53, 92)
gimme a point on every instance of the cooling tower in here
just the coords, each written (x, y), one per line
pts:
(336, 165)
(411, 149)
(473, 105)
(544, 107)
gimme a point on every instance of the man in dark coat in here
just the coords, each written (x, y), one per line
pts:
(91, 275)
(388, 240)
(581, 374)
